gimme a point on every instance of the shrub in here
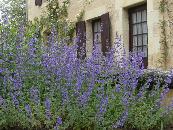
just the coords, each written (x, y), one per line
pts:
(48, 87)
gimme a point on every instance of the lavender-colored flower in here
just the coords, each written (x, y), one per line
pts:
(83, 99)
(58, 123)
(15, 100)
(120, 123)
(103, 105)
(168, 79)
(65, 96)
(140, 94)
(34, 95)
(28, 110)
(118, 88)
(1, 70)
(6, 20)
(164, 93)
(47, 108)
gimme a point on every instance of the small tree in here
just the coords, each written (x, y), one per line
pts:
(15, 10)
(56, 15)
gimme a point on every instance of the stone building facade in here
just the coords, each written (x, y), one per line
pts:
(137, 21)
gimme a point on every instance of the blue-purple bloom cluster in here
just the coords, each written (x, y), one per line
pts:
(58, 123)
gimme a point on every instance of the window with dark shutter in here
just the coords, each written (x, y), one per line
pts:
(81, 42)
(138, 35)
(105, 33)
(96, 27)
(38, 2)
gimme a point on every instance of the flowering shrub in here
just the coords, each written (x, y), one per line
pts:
(47, 86)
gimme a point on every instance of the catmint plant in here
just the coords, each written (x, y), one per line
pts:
(47, 82)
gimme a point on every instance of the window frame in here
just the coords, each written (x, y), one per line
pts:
(136, 9)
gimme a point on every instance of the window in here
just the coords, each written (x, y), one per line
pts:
(38, 2)
(97, 31)
(96, 25)
(100, 32)
(139, 31)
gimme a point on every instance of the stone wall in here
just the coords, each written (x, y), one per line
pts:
(35, 11)
(168, 15)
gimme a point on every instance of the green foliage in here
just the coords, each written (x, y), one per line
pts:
(57, 15)
(14, 10)
(163, 6)
(145, 115)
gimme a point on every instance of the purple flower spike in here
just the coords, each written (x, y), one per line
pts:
(118, 88)
(34, 95)
(58, 123)
(103, 105)
(168, 79)
(15, 100)
(28, 110)
(48, 107)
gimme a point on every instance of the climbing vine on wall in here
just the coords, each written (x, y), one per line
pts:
(57, 15)
(166, 25)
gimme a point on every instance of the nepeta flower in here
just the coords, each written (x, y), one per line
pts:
(65, 97)
(118, 88)
(103, 105)
(34, 95)
(164, 93)
(28, 110)
(168, 79)
(15, 100)
(47, 104)
(120, 123)
(58, 123)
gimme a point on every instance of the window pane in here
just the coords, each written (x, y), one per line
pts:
(144, 15)
(139, 28)
(135, 41)
(139, 35)
(145, 50)
(97, 37)
(144, 27)
(134, 17)
(98, 47)
(145, 39)
(134, 29)
(99, 27)
(95, 27)
(139, 49)
(140, 40)
(138, 17)
(134, 49)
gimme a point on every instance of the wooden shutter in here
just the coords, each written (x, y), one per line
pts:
(38, 2)
(81, 35)
(105, 33)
